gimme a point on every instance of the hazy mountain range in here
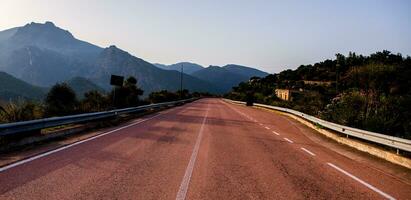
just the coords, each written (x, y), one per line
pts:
(40, 55)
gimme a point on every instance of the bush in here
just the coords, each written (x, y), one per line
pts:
(20, 111)
(126, 95)
(94, 101)
(163, 96)
(60, 100)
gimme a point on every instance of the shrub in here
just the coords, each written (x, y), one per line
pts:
(60, 100)
(20, 111)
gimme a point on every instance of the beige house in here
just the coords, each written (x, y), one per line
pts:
(284, 94)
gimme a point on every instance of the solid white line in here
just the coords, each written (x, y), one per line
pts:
(288, 140)
(71, 145)
(182, 191)
(267, 128)
(306, 150)
(276, 133)
(362, 182)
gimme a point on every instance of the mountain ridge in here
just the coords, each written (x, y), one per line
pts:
(44, 54)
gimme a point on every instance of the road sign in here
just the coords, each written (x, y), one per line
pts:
(116, 80)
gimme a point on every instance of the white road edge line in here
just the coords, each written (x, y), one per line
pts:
(182, 191)
(275, 133)
(267, 128)
(362, 182)
(288, 140)
(306, 150)
(71, 145)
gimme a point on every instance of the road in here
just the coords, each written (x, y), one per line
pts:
(208, 149)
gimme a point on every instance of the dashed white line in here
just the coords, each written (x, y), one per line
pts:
(275, 133)
(182, 191)
(306, 150)
(288, 140)
(266, 128)
(362, 182)
(260, 124)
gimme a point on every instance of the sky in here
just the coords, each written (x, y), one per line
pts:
(269, 35)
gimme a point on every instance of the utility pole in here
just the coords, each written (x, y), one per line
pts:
(181, 82)
(337, 76)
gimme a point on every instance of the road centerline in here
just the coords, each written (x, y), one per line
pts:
(288, 140)
(307, 151)
(182, 191)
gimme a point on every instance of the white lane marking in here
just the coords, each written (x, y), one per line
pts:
(267, 128)
(71, 145)
(275, 133)
(362, 182)
(288, 140)
(306, 150)
(182, 191)
(260, 124)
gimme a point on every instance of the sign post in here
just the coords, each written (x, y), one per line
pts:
(116, 81)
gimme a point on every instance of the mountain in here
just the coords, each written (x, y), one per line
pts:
(44, 54)
(188, 68)
(161, 66)
(116, 61)
(245, 71)
(12, 88)
(220, 76)
(48, 36)
(82, 85)
(6, 34)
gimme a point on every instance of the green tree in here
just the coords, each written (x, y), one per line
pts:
(126, 95)
(94, 101)
(163, 96)
(60, 100)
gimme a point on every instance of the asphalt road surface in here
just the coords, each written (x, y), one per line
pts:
(208, 149)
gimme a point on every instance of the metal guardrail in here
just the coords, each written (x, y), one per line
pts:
(25, 126)
(394, 142)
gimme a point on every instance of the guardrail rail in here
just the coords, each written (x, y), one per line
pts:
(386, 140)
(32, 125)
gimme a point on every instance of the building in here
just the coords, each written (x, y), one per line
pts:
(283, 94)
(287, 94)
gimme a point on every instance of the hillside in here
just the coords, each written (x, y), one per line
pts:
(82, 85)
(188, 68)
(44, 54)
(12, 88)
(222, 77)
(367, 92)
(116, 61)
(245, 71)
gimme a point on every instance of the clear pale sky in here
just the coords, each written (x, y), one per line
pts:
(269, 35)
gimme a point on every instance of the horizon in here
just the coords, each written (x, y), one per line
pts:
(219, 38)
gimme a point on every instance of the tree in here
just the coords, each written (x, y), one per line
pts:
(60, 100)
(127, 95)
(94, 101)
(163, 96)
